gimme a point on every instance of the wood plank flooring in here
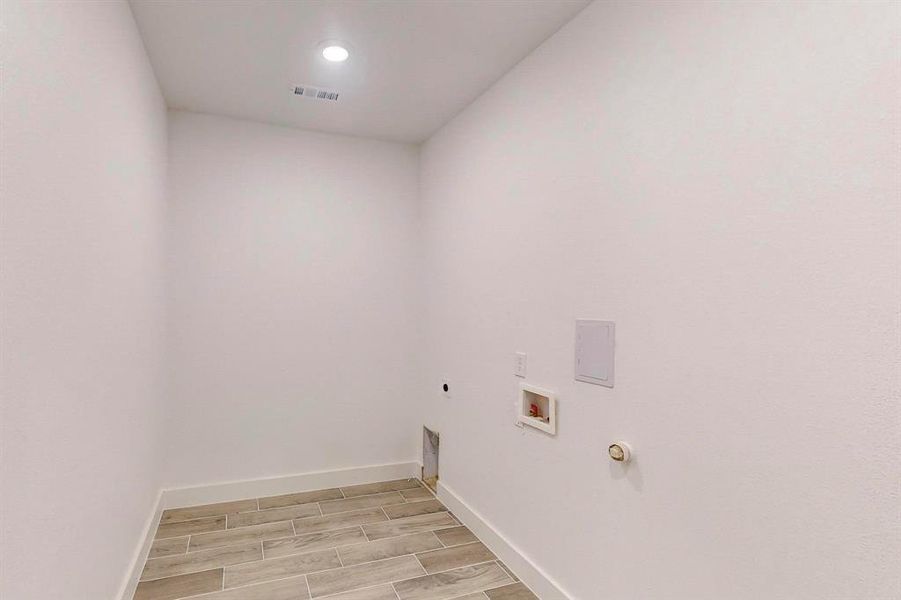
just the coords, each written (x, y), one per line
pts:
(391, 540)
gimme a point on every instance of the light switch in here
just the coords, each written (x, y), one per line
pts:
(519, 364)
(594, 351)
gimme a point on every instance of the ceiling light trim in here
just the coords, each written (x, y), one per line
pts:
(333, 52)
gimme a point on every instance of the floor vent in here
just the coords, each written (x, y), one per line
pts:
(315, 93)
(430, 441)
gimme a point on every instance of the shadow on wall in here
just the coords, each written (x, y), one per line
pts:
(630, 471)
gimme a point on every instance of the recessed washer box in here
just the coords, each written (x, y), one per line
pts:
(595, 343)
(541, 399)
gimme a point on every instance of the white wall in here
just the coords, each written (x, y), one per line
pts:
(722, 180)
(82, 224)
(295, 305)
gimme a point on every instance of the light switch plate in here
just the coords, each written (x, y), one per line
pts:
(595, 344)
(519, 364)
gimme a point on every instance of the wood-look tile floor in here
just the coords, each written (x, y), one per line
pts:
(382, 541)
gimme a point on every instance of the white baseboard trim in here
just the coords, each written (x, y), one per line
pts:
(255, 488)
(531, 574)
(286, 484)
(127, 589)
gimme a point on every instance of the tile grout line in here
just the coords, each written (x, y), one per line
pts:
(427, 574)
(292, 519)
(263, 510)
(314, 533)
(208, 568)
(391, 583)
(361, 527)
(422, 566)
(188, 521)
(322, 514)
(360, 589)
(210, 516)
(486, 590)
(365, 535)
(395, 590)
(403, 501)
(306, 575)
(253, 583)
(440, 541)
(244, 529)
(413, 554)
(306, 578)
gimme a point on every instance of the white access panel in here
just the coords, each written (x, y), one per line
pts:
(594, 351)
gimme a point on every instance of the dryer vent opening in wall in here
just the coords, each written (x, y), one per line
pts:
(430, 441)
(315, 93)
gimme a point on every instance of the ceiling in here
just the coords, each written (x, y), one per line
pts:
(413, 64)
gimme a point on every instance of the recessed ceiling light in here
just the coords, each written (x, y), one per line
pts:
(335, 53)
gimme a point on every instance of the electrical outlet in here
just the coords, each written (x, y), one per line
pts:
(519, 364)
